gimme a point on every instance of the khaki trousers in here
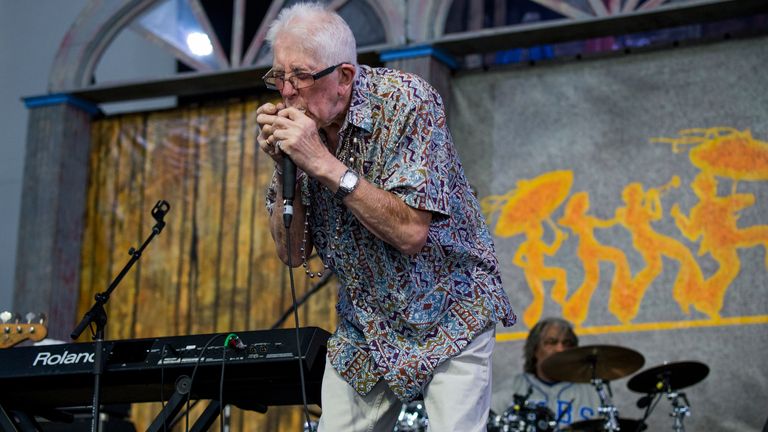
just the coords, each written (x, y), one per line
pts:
(457, 399)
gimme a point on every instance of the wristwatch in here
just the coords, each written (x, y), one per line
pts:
(347, 184)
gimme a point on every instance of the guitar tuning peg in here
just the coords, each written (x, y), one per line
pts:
(35, 318)
(5, 316)
(16, 318)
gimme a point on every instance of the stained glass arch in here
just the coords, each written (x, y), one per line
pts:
(207, 36)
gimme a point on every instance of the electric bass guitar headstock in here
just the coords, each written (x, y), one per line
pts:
(14, 330)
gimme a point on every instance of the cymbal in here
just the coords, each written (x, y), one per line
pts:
(669, 376)
(584, 363)
(598, 425)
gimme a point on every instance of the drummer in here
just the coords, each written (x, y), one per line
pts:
(569, 402)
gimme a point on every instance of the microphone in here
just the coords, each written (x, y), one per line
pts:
(289, 186)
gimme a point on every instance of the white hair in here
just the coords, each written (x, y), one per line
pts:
(323, 33)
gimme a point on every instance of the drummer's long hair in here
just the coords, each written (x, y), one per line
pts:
(534, 339)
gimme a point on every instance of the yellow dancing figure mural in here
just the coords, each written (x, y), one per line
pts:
(712, 223)
(642, 208)
(591, 253)
(714, 220)
(523, 211)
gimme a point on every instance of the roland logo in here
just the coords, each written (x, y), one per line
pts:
(65, 358)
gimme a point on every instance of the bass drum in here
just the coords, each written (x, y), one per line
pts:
(523, 419)
(412, 418)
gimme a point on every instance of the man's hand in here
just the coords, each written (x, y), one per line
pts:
(301, 141)
(265, 117)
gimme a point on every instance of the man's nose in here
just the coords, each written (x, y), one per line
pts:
(288, 89)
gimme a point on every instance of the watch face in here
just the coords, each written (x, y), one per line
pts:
(348, 180)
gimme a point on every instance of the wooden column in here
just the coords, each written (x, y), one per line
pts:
(52, 210)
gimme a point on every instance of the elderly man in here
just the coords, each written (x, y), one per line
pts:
(382, 196)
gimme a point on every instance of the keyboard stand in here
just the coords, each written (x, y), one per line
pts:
(168, 413)
(6, 424)
(207, 418)
(17, 421)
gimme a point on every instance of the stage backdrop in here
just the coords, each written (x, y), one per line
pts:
(628, 195)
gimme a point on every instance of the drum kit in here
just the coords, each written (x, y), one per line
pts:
(597, 365)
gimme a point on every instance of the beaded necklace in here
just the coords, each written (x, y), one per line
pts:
(347, 151)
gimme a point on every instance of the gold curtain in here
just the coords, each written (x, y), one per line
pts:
(213, 268)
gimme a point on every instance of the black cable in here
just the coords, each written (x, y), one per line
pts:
(221, 385)
(312, 291)
(296, 327)
(162, 383)
(194, 371)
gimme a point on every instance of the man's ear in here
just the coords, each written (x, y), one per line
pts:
(346, 74)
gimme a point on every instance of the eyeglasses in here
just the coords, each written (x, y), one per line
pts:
(298, 80)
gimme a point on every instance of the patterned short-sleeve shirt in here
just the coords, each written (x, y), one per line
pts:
(403, 315)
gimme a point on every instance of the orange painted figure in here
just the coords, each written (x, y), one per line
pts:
(724, 152)
(591, 253)
(641, 208)
(530, 257)
(524, 210)
(714, 220)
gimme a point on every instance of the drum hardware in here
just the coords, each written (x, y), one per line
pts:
(412, 418)
(667, 379)
(647, 402)
(598, 365)
(598, 425)
(680, 409)
(528, 418)
(607, 409)
(523, 416)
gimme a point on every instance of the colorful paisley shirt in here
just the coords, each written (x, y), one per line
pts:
(402, 316)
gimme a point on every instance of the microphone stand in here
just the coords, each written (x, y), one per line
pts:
(98, 316)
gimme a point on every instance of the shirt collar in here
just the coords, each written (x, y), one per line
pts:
(360, 113)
